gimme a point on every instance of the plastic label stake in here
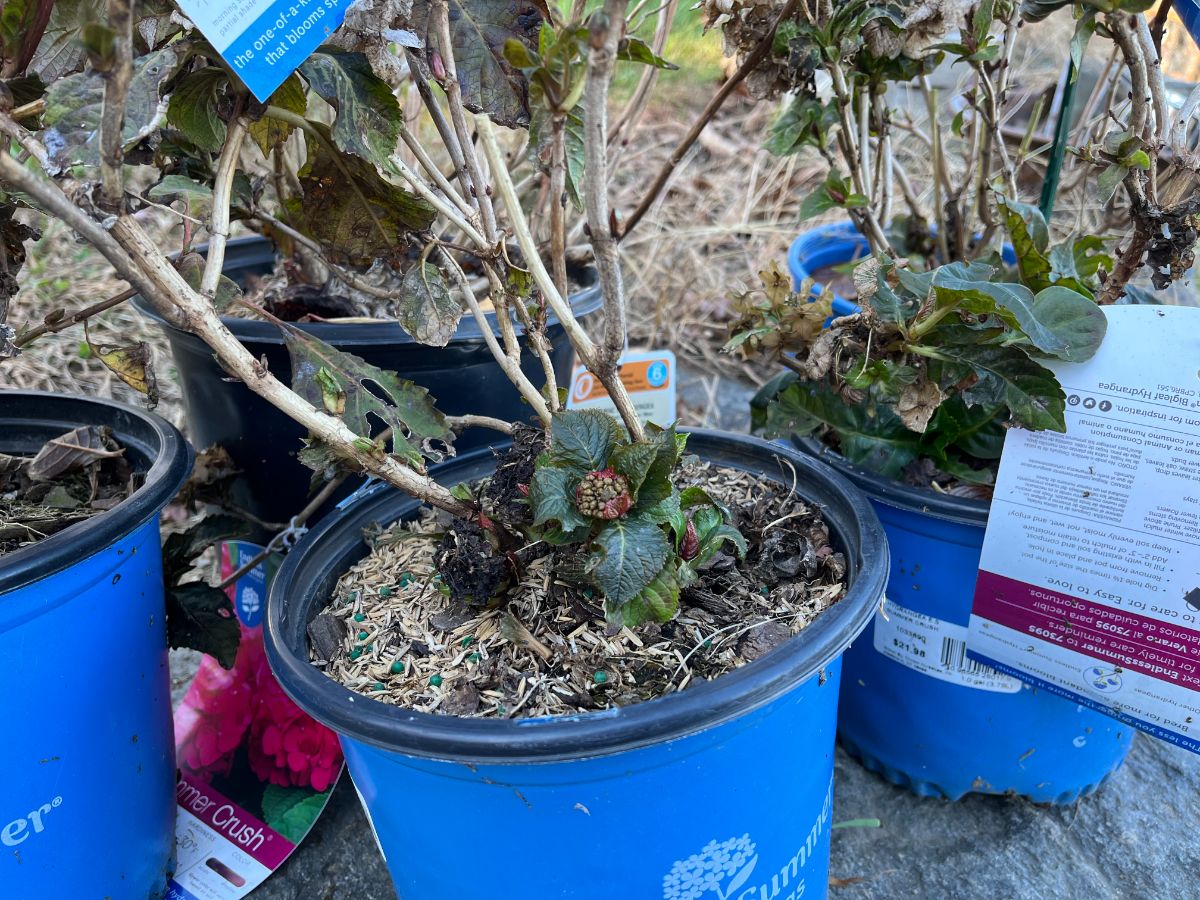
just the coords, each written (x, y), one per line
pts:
(648, 375)
(265, 41)
(1089, 583)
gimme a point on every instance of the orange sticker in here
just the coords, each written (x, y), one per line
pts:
(638, 376)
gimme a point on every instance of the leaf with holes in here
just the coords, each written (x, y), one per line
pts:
(478, 31)
(403, 406)
(630, 552)
(425, 308)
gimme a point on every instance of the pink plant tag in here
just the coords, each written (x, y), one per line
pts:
(254, 770)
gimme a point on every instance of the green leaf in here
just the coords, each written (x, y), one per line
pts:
(1108, 182)
(194, 108)
(1085, 27)
(582, 439)
(658, 601)
(402, 405)
(291, 811)
(1027, 230)
(869, 434)
(1030, 390)
(541, 141)
(1089, 253)
(425, 308)
(1072, 324)
(479, 30)
(713, 530)
(269, 133)
(634, 462)
(631, 552)
(179, 187)
(816, 203)
(975, 430)
(552, 498)
(369, 117)
(191, 267)
(200, 617)
(350, 210)
(74, 105)
(636, 50)
(656, 486)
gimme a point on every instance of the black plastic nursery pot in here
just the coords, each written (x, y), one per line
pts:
(729, 781)
(87, 764)
(462, 377)
(915, 709)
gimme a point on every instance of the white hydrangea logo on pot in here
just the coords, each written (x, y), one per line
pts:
(250, 600)
(721, 867)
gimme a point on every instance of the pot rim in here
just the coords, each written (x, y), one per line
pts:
(704, 705)
(254, 249)
(150, 436)
(908, 497)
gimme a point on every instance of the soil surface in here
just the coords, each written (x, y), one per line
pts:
(391, 632)
(74, 476)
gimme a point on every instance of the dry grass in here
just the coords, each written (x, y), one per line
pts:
(729, 210)
(64, 274)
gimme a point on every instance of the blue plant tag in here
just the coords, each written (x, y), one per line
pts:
(265, 41)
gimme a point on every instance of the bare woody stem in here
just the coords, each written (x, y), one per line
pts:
(27, 337)
(138, 259)
(440, 18)
(604, 34)
(112, 117)
(218, 225)
(714, 105)
(585, 348)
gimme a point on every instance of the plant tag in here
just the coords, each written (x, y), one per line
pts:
(254, 771)
(1089, 583)
(648, 375)
(265, 41)
(936, 648)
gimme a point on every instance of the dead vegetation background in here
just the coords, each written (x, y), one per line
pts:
(730, 209)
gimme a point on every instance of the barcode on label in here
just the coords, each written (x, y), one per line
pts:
(954, 656)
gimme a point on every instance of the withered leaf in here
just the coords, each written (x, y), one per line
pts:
(74, 105)
(74, 450)
(478, 31)
(425, 309)
(269, 133)
(350, 210)
(133, 365)
(917, 404)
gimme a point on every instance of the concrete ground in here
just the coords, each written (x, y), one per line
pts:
(1132, 839)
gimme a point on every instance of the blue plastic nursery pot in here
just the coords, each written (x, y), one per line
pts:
(722, 790)
(1189, 13)
(833, 245)
(87, 764)
(826, 245)
(916, 710)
